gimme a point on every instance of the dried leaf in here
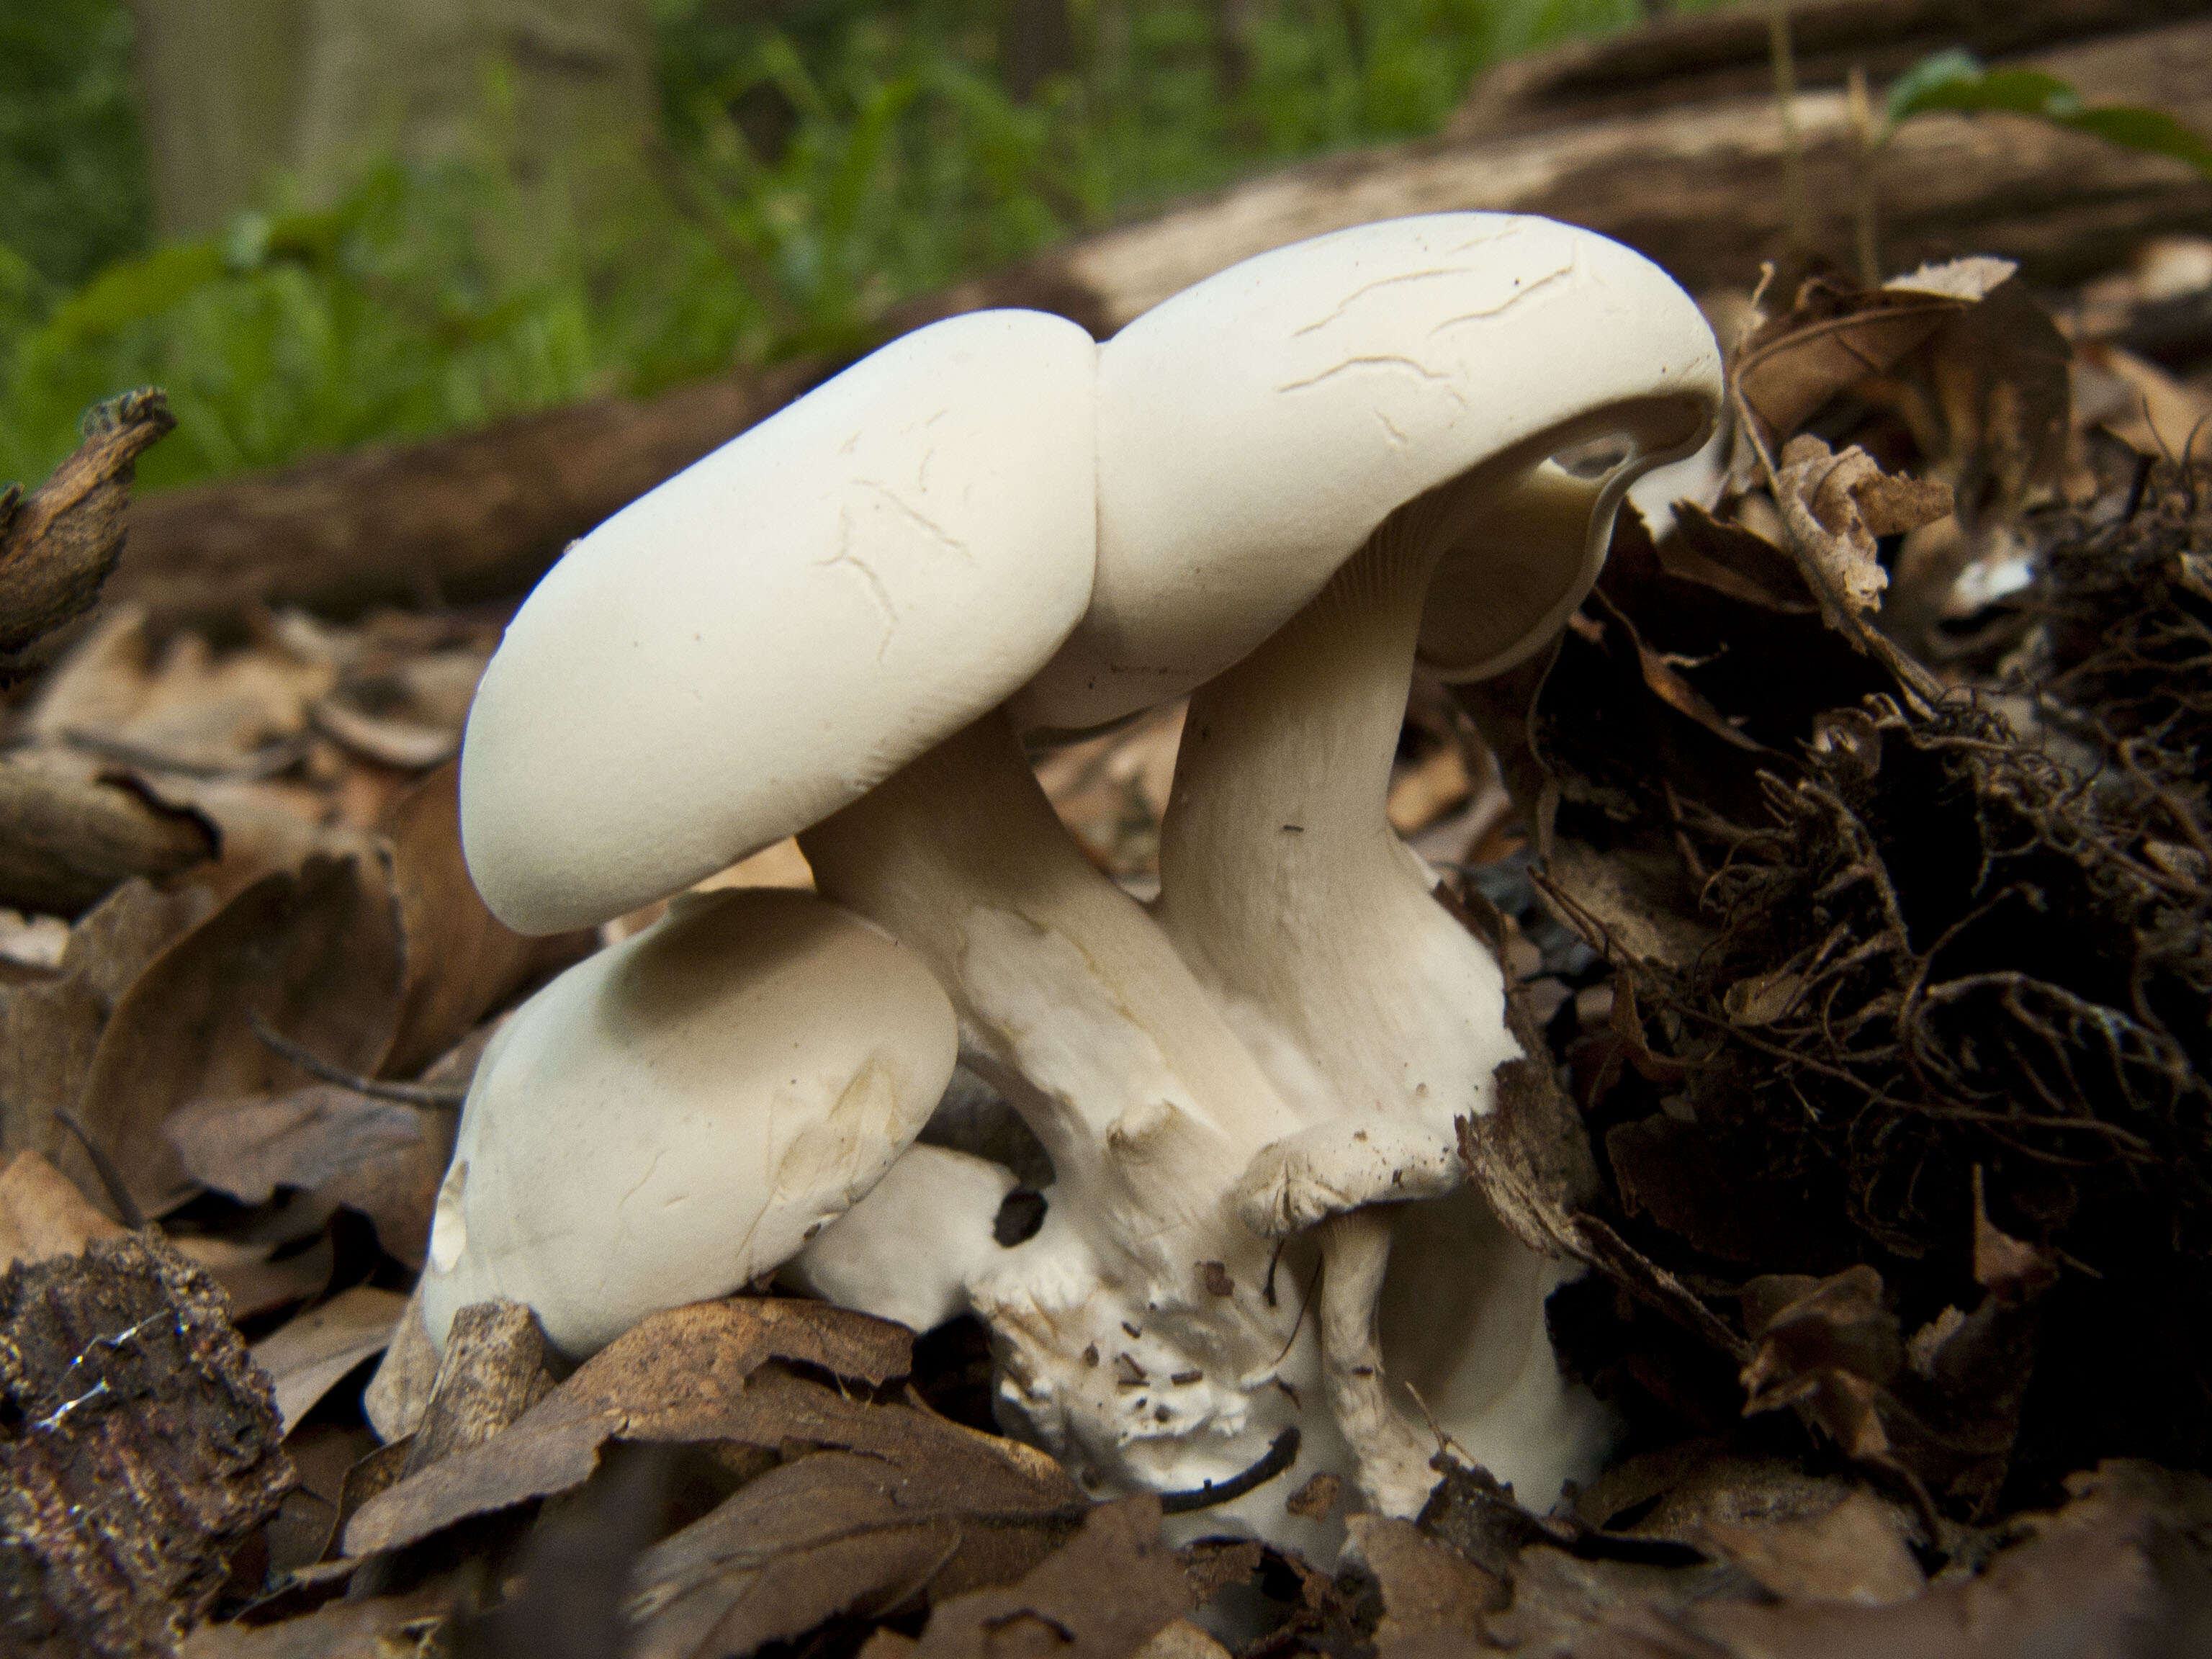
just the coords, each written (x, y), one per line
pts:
(69, 837)
(399, 1393)
(1829, 340)
(460, 962)
(42, 1214)
(49, 1030)
(932, 1510)
(308, 1356)
(1102, 1596)
(383, 1627)
(317, 955)
(1429, 1589)
(382, 1158)
(493, 1371)
(1855, 1553)
(679, 1375)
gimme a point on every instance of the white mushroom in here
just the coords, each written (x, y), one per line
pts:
(675, 1116)
(1409, 433)
(823, 615)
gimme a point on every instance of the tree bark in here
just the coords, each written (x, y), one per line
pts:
(58, 547)
(141, 1448)
(219, 84)
(1695, 188)
(556, 97)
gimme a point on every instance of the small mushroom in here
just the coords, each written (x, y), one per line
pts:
(674, 1117)
(909, 1250)
(1405, 437)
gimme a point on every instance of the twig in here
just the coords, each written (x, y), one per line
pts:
(111, 1178)
(1864, 148)
(1794, 195)
(412, 1094)
(1280, 1455)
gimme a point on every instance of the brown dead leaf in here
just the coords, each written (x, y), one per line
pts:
(179, 706)
(317, 955)
(1855, 1553)
(382, 1627)
(49, 1027)
(1104, 1596)
(259, 1275)
(1826, 1344)
(1836, 505)
(679, 1375)
(2122, 1569)
(1429, 1589)
(400, 1391)
(42, 1214)
(460, 962)
(1734, 560)
(1830, 340)
(382, 1158)
(932, 1511)
(71, 833)
(2151, 412)
(307, 1359)
(493, 1371)
(1423, 792)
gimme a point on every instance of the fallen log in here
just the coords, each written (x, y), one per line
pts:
(1696, 187)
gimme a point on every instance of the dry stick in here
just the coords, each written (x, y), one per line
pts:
(1859, 110)
(411, 1094)
(111, 1178)
(1794, 195)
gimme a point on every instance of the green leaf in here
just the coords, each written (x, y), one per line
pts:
(2151, 129)
(1956, 80)
(132, 290)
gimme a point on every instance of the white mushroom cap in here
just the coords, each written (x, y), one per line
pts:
(676, 1116)
(766, 637)
(1256, 429)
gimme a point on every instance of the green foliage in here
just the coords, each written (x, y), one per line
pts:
(821, 161)
(1956, 80)
(72, 189)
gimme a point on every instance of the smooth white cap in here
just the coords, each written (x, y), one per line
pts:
(769, 634)
(677, 1115)
(1256, 429)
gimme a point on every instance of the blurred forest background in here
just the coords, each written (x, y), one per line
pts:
(317, 222)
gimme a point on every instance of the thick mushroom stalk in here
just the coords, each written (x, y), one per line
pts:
(1143, 1334)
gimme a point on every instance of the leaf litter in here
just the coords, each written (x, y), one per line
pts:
(1849, 856)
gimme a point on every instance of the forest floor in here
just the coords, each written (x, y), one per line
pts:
(1851, 856)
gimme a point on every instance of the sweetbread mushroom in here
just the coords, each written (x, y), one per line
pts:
(811, 630)
(674, 1117)
(1408, 437)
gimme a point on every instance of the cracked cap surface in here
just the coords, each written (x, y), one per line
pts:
(1255, 429)
(766, 637)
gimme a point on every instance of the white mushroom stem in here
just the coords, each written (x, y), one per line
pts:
(1380, 1018)
(1143, 1334)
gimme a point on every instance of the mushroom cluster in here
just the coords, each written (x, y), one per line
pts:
(1277, 491)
